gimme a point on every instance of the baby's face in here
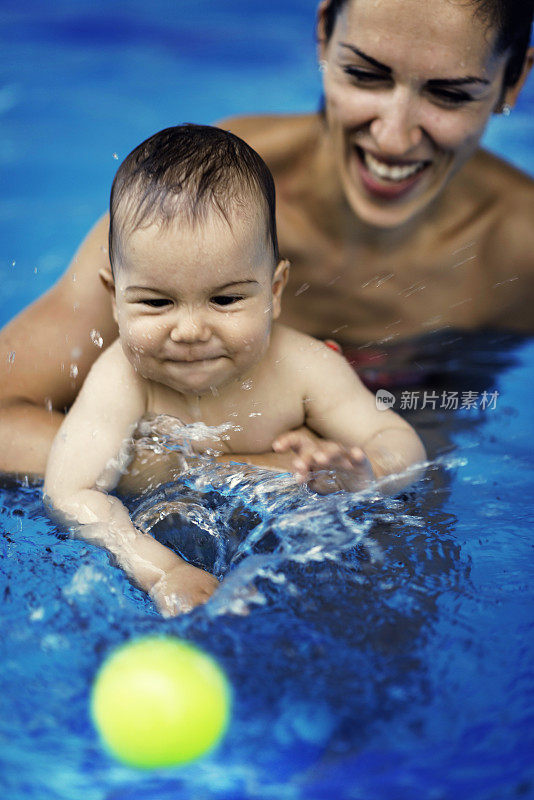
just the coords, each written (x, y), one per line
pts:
(195, 305)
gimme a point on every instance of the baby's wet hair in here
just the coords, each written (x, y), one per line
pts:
(183, 174)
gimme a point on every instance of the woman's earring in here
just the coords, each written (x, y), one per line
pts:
(506, 109)
(322, 65)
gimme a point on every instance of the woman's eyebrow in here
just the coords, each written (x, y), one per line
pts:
(457, 81)
(365, 57)
(435, 82)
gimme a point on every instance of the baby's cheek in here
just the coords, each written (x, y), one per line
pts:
(143, 336)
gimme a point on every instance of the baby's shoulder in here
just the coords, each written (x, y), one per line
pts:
(111, 358)
(301, 354)
(113, 369)
(293, 343)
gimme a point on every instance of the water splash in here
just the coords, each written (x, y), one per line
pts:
(321, 621)
(252, 528)
(161, 433)
(96, 338)
(303, 288)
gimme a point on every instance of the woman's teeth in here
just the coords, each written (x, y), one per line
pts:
(391, 172)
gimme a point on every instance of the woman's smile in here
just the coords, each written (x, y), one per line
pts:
(388, 178)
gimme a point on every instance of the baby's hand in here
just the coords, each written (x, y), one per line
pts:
(183, 588)
(326, 466)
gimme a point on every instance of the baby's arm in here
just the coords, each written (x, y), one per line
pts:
(360, 443)
(89, 440)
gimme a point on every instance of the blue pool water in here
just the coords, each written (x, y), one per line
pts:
(386, 652)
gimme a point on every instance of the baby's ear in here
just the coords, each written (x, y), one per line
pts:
(280, 278)
(108, 282)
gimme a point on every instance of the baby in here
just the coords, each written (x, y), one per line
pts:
(196, 285)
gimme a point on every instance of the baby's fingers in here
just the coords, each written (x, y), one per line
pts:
(292, 440)
(356, 456)
(330, 456)
(320, 459)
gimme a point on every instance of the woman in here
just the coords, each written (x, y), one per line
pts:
(395, 222)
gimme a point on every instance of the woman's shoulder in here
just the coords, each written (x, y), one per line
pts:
(511, 193)
(500, 181)
(278, 138)
(497, 199)
(507, 248)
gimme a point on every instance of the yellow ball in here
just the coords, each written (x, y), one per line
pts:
(160, 702)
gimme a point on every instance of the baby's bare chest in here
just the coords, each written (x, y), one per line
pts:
(243, 422)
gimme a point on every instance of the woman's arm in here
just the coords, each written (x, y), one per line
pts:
(45, 354)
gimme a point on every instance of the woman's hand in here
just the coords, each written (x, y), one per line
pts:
(182, 588)
(326, 466)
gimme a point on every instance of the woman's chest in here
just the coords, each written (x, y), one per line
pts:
(359, 293)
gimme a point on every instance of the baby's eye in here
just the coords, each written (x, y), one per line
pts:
(155, 302)
(226, 299)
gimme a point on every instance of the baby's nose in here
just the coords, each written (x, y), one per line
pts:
(190, 326)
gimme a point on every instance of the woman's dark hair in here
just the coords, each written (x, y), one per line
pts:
(184, 172)
(511, 18)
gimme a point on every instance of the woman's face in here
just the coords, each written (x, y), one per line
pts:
(409, 87)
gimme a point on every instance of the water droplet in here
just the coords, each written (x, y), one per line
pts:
(115, 156)
(48, 404)
(96, 338)
(340, 328)
(35, 270)
(73, 371)
(11, 357)
(302, 289)
(13, 263)
(247, 385)
(255, 414)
